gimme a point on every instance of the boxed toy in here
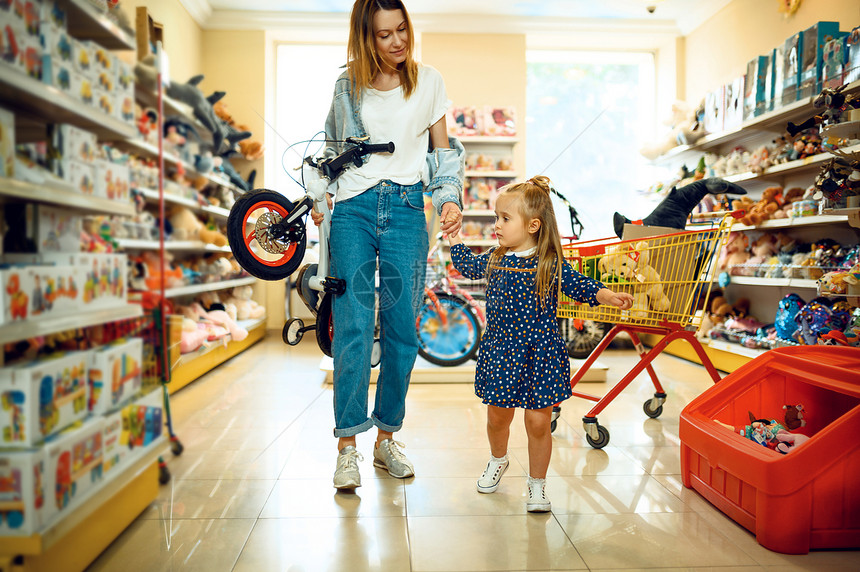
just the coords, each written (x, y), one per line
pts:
(56, 289)
(7, 143)
(733, 115)
(105, 66)
(59, 75)
(22, 492)
(82, 87)
(42, 398)
(58, 230)
(777, 79)
(111, 180)
(833, 67)
(67, 143)
(791, 55)
(83, 58)
(32, 16)
(115, 375)
(755, 87)
(81, 176)
(57, 45)
(143, 422)
(30, 56)
(16, 284)
(115, 453)
(852, 56)
(812, 56)
(124, 108)
(714, 110)
(104, 281)
(464, 121)
(73, 467)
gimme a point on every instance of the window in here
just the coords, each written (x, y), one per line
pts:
(587, 115)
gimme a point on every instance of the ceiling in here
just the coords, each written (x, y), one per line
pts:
(680, 15)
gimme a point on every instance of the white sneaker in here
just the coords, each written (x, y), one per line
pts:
(537, 501)
(346, 475)
(388, 456)
(489, 481)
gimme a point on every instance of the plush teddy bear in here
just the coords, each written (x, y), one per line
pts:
(617, 264)
(185, 224)
(246, 308)
(211, 235)
(734, 252)
(762, 210)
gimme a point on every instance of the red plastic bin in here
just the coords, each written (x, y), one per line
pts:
(807, 499)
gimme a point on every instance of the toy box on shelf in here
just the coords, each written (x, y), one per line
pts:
(22, 491)
(73, 467)
(130, 430)
(852, 56)
(115, 375)
(7, 143)
(755, 87)
(791, 54)
(805, 499)
(812, 56)
(42, 398)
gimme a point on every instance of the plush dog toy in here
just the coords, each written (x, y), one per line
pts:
(674, 210)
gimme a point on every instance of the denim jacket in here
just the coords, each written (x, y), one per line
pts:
(446, 166)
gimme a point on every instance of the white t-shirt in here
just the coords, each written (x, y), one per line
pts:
(388, 116)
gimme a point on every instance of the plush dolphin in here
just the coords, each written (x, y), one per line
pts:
(673, 211)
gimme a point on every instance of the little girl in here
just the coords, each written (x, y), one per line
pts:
(522, 361)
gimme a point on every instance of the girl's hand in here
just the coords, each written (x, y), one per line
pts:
(451, 219)
(621, 300)
(318, 216)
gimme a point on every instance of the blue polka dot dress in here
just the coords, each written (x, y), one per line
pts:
(522, 360)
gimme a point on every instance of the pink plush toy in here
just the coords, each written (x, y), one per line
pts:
(193, 336)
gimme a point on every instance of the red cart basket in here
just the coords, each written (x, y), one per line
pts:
(670, 277)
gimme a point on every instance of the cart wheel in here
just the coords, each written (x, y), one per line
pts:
(163, 473)
(262, 255)
(325, 328)
(176, 447)
(292, 332)
(652, 413)
(376, 353)
(602, 440)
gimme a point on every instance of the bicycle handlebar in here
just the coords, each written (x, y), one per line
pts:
(333, 167)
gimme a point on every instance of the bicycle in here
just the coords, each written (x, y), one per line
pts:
(450, 321)
(274, 248)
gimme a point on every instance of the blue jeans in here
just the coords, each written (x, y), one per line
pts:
(386, 221)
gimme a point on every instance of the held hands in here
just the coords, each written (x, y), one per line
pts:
(318, 216)
(621, 300)
(452, 219)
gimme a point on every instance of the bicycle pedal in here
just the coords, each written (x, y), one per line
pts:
(334, 285)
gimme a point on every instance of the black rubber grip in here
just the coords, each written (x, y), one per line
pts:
(379, 148)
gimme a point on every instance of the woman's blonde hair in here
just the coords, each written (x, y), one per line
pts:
(533, 200)
(363, 60)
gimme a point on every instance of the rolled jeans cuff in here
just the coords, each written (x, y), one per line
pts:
(388, 428)
(353, 431)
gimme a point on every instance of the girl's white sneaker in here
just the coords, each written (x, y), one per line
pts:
(537, 501)
(489, 481)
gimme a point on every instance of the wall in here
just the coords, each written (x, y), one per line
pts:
(482, 69)
(182, 35)
(718, 50)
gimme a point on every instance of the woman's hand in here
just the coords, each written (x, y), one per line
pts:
(621, 300)
(452, 219)
(318, 216)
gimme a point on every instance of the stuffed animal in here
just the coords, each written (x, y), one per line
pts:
(794, 416)
(193, 335)
(762, 210)
(246, 308)
(734, 253)
(617, 265)
(201, 106)
(674, 210)
(211, 235)
(685, 129)
(762, 249)
(185, 224)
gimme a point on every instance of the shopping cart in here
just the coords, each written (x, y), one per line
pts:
(670, 277)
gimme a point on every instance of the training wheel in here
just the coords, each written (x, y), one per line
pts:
(292, 332)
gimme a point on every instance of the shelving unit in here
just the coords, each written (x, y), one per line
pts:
(765, 292)
(208, 287)
(186, 245)
(32, 328)
(58, 193)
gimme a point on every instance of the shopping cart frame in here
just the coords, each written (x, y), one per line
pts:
(670, 325)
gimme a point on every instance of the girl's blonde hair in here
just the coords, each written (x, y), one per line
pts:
(534, 203)
(363, 60)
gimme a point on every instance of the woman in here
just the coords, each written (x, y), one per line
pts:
(379, 222)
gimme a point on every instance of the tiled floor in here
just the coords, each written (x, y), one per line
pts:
(252, 491)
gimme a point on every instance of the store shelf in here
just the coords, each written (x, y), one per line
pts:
(186, 359)
(774, 121)
(780, 282)
(52, 324)
(87, 23)
(480, 241)
(56, 193)
(50, 105)
(172, 107)
(799, 167)
(725, 357)
(208, 287)
(479, 212)
(194, 245)
(73, 542)
(190, 368)
(794, 222)
(152, 196)
(492, 174)
(486, 140)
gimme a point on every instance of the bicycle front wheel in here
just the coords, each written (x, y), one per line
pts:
(448, 330)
